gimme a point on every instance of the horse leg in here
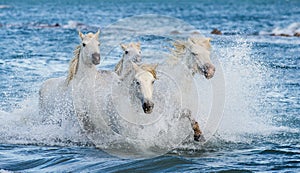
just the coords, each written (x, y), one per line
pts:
(198, 136)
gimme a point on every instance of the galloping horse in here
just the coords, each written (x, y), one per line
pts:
(92, 96)
(132, 52)
(55, 94)
(125, 67)
(193, 54)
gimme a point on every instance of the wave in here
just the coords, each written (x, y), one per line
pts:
(5, 171)
(291, 30)
(24, 126)
(4, 6)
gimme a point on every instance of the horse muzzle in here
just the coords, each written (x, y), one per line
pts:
(148, 107)
(208, 70)
(96, 58)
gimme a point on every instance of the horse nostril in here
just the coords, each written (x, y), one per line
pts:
(148, 106)
(209, 70)
(96, 58)
(96, 55)
(151, 105)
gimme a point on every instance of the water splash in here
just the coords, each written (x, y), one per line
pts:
(291, 30)
(24, 125)
(246, 112)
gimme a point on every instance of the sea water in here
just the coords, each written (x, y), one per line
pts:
(258, 96)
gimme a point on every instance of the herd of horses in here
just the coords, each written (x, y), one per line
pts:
(63, 95)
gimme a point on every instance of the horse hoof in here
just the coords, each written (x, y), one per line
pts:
(199, 138)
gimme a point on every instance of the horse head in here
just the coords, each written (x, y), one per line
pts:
(196, 54)
(87, 52)
(144, 78)
(89, 48)
(132, 52)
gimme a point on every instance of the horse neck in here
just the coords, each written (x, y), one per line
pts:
(128, 75)
(127, 68)
(84, 69)
(186, 58)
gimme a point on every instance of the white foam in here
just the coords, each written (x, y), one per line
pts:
(4, 6)
(245, 79)
(290, 30)
(24, 126)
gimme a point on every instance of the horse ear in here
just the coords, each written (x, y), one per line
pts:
(123, 46)
(97, 34)
(138, 44)
(207, 42)
(135, 66)
(80, 35)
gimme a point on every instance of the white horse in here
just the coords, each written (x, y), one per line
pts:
(124, 68)
(93, 96)
(132, 53)
(55, 94)
(190, 57)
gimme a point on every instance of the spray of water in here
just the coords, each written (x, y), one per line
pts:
(164, 130)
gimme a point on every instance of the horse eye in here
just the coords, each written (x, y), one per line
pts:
(126, 52)
(83, 44)
(137, 83)
(153, 82)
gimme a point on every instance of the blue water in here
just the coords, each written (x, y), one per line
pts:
(260, 127)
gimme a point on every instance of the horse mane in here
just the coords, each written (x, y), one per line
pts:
(202, 41)
(135, 45)
(182, 46)
(119, 66)
(150, 69)
(90, 35)
(73, 67)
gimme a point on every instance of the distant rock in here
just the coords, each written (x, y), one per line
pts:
(297, 34)
(216, 31)
(282, 35)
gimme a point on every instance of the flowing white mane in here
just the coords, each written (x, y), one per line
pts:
(195, 54)
(150, 69)
(181, 47)
(73, 67)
